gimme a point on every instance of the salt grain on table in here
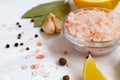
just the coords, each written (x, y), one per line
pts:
(40, 56)
(23, 67)
(66, 52)
(22, 50)
(31, 38)
(35, 66)
(46, 75)
(4, 24)
(39, 44)
(37, 50)
(34, 73)
(28, 56)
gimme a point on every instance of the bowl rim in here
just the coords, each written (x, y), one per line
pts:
(70, 35)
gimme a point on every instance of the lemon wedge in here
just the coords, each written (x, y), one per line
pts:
(90, 70)
(110, 4)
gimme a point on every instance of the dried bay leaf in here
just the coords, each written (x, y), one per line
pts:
(40, 12)
(42, 9)
(61, 11)
(38, 21)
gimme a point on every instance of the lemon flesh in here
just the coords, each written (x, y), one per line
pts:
(91, 72)
(109, 4)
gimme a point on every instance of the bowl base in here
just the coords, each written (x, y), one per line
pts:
(92, 51)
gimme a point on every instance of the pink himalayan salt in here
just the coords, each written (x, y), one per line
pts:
(93, 25)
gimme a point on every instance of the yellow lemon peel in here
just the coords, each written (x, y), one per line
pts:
(90, 70)
(109, 4)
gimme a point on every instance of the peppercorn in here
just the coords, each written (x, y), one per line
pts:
(36, 35)
(27, 48)
(32, 20)
(62, 61)
(19, 36)
(19, 26)
(7, 46)
(66, 77)
(87, 57)
(17, 23)
(42, 30)
(21, 44)
(16, 44)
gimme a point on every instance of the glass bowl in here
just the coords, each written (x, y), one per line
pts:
(92, 47)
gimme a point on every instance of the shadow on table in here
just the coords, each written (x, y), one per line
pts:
(56, 45)
(117, 71)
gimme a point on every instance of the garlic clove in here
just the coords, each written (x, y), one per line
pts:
(52, 24)
(58, 24)
(49, 26)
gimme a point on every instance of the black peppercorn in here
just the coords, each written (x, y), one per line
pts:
(19, 36)
(17, 23)
(42, 30)
(27, 48)
(16, 44)
(36, 35)
(66, 77)
(19, 26)
(87, 57)
(32, 20)
(62, 61)
(7, 46)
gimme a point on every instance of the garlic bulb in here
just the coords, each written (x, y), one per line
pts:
(48, 25)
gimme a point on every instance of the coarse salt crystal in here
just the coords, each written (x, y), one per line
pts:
(40, 56)
(37, 50)
(34, 66)
(39, 44)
